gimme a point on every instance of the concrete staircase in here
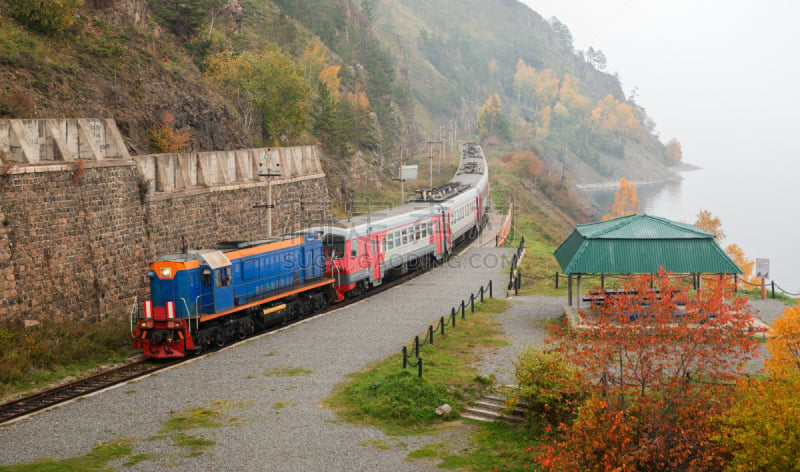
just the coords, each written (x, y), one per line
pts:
(490, 408)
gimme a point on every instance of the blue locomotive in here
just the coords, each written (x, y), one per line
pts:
(206, 297)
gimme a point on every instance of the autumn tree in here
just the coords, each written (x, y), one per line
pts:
(738, 256)
(760, 430)
(660, 360)
(710, 224)
(625, 201)
(165, 137)
(674, 152)
(268, 83)
(492, 122)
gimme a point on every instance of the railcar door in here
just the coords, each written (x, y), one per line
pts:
(377, 259)
(437, 235)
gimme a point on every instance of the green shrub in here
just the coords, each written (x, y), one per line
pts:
(45, 16)
(550, 386)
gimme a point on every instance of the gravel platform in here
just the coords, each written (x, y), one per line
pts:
(278, 422)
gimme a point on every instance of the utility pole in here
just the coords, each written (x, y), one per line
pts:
(264, 170)
(401, 178)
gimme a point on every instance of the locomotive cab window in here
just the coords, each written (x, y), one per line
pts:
(222, 277)
(206, 279)
(333, 246)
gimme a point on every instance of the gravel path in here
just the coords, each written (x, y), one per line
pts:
(524, 323)
(281, 425)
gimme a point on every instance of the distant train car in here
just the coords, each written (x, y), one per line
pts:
(364, 248)
(200, 298)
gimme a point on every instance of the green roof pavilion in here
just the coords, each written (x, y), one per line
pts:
(641, 244)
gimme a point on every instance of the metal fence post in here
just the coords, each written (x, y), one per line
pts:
(405, 357)
(472, 302)
(430, 333)
(490, 289)
(441, 322)
(453, 318)
(481, 293)
(416, 346)
(462, 309)
(773, 289)
(556, 279)
(419, 366)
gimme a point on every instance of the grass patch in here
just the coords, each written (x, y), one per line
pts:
(97, 460)
(281, 405)
(495, 446)
(396, 400)
(34, 357)
(286, 372)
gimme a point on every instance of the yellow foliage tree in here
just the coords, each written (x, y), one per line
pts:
(492, 122)
(710, 224)
(625, 201)
(330, 77)
(760, 430)
(783, 343)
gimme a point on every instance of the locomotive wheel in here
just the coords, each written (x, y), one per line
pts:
(242, 331)
(202, 342)
(219, 338)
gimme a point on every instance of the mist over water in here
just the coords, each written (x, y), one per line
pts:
(756, 203)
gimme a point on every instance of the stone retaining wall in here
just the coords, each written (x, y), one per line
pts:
(76, 235)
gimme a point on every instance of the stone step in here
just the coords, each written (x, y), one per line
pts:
(489, 415)
(492, 408)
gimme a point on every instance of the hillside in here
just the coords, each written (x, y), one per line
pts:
(363, 79)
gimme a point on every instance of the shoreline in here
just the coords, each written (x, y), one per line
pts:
(608, 185)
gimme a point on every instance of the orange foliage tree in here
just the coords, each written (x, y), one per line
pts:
(659, 361)
(674, 152)
(625, 201)
(740, 258)
(710, 224)
(165, 137)
(761, 430)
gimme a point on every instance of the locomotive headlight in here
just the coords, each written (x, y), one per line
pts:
(166, 272)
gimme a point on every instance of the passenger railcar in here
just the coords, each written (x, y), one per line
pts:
(364, 249)
(205, 297)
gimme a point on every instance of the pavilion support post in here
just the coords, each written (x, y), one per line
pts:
(602, 281)
(569, 289)
(579, 290)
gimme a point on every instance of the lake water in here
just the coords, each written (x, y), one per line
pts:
(756, 204)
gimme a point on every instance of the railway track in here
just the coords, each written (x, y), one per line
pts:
(49, 398)
(79, 388)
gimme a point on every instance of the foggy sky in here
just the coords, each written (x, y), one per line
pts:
(720, 76)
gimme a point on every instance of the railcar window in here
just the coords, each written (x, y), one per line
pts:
(417, 232)
(397, 239)
(388, 242)
(354, 248)
(405, 236)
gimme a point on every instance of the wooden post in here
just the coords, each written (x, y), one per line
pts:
(763, 289)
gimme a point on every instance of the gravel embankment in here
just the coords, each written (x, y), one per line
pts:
(281, 424)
